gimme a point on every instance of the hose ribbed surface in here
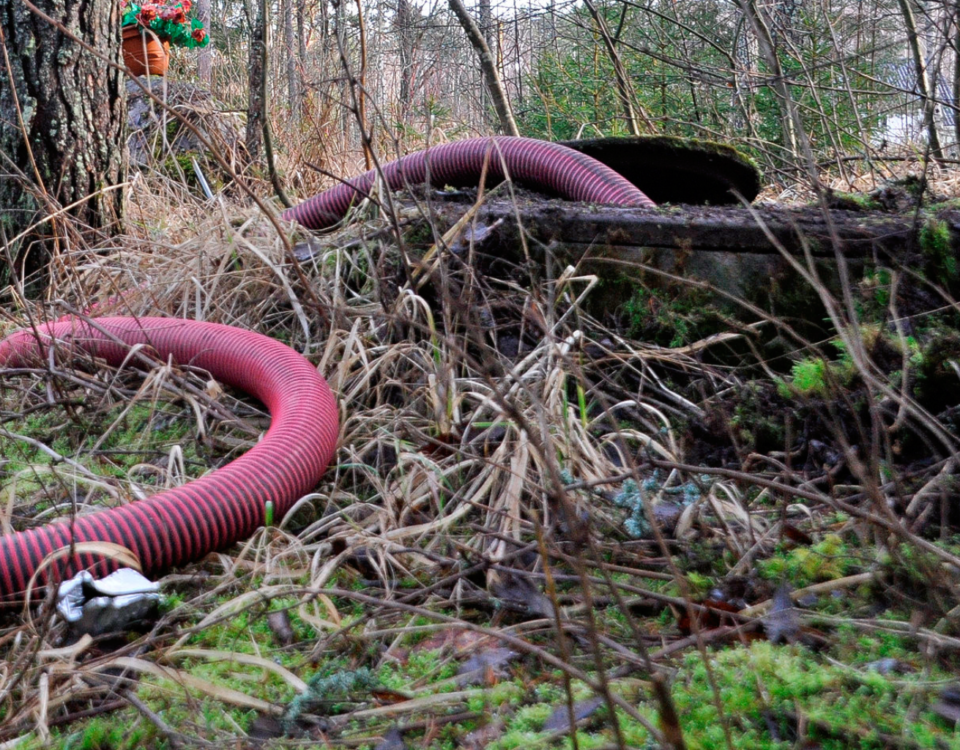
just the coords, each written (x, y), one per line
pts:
(208, 514)
(185, 524)
(545, 166)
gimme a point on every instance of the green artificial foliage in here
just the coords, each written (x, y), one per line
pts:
(169, 21)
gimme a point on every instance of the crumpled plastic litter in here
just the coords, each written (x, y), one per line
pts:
(112, 604)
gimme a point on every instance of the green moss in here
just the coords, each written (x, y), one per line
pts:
(665, 317)
(515, 739)
(809, 378)
(179, 167)
(952, 204)
(144, 433)
(766, 684)
(118, 731)
(853, 201)
(700, 585)
(826, 560)
(817, 377)
(421, 665)
(875, 288)
(758, 418)
(103, 735)
(936, 244)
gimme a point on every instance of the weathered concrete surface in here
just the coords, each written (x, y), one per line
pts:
(752, 230)
(739, 251)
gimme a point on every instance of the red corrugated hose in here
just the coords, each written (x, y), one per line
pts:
(548, 167)
(185, 524)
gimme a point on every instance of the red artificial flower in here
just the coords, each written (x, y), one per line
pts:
(147, 13)
(173, 14)
(186, 5)
(199, 35)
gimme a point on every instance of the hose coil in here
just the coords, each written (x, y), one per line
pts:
(184, 524)
(546, 166)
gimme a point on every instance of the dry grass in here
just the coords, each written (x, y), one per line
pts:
(441, 435)
(477, 496)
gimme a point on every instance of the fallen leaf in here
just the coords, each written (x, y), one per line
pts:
(458, 639)
(187, 680)
(306, 250)
(560, 718)
(265, 727)
(948, 705)
(392, 740)
(281, 627)
(706, 619)
(483, 737)
(487, 666)
(385, 697)
(667, 515)
(947, 710)
(890, 666)
(782, 623)
(795, 535)
(519, 594)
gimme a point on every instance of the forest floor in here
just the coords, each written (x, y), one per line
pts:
(566, 510)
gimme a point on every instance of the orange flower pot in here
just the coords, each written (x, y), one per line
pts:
(157, 56)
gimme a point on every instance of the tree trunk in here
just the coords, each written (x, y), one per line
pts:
(293, 74)
(485, 21)
(956, 77)
(62, 113)
(302, 52)
(361, 90)
(486, 26)
(624, 89)
(204, 54)
(265, 104)
(255, 103)
(404, 23)
(344, 93)
(489, 68)
(302, 31)
(927, 92)
(781, 88)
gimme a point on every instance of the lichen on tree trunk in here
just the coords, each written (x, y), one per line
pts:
(62, 113)
(255, 78)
